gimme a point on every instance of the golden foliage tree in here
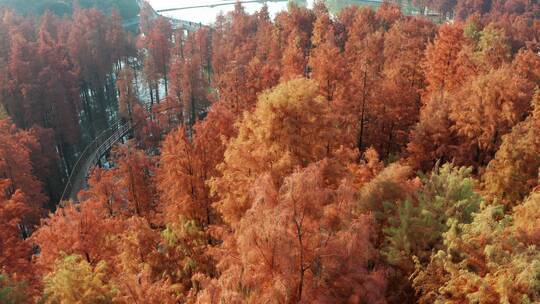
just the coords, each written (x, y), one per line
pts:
(288, 128)
(490, 260)
(74, 280)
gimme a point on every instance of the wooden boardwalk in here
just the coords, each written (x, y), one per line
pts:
(90, 157)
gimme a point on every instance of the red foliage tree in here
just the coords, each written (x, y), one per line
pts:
(76, 229)
(158, 43)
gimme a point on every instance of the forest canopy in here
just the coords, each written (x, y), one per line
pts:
(362, 156)
(126, 8)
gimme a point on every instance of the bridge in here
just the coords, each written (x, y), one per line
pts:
(217, 4)
(132, 24)
(90, 157)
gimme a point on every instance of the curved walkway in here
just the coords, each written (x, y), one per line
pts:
(90, 157)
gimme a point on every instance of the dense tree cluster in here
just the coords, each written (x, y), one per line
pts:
(359, 157)
(58, 77)
(127, 8)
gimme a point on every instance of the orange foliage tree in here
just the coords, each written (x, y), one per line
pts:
(484, 110)
(187, 164)
(362, 49)
(288, 128)
(300, 242)
(76, 229)
(513, 172)
(127, 189)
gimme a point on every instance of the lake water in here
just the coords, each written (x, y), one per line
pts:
(208, 15)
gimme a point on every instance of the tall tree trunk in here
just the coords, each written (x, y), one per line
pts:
(88, 112)
(362, 114)
(151, 95)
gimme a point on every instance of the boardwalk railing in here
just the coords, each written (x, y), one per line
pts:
(90, 157)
